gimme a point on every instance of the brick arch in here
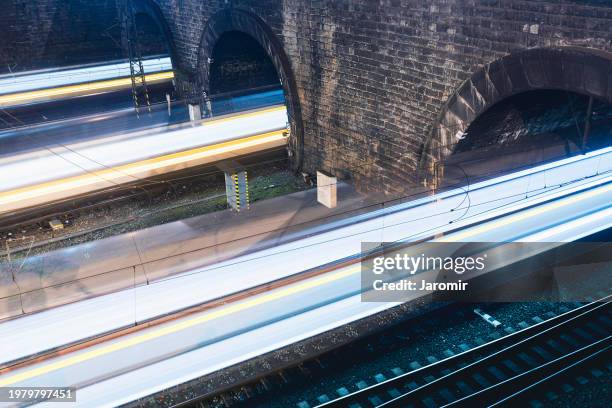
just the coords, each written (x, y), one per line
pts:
(580, 70)
(152, 9)
(250, 24)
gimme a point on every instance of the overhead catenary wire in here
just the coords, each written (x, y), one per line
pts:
(407, 237)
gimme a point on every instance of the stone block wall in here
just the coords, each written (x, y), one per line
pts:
(369, 80)
(48, 33)
(37, 34)
(373, 77)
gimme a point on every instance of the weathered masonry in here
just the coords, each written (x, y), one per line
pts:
(378, 89)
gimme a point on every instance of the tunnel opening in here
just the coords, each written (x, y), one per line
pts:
(243, 36)
(242, 75)
(239, 64)
(517, 111)
(153, 41)
(540, 118)
(525, 130)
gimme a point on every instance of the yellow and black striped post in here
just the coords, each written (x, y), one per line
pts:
(237, 190)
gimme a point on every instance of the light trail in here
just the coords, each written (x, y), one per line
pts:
(144, 168)
(281, 293)
(68, 170)
(21, 98)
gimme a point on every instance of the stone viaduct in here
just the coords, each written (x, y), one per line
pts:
(378, 89)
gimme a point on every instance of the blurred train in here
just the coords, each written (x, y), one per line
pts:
(29, 87)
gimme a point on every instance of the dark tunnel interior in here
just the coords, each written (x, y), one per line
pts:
(540, 117)
(525, 130)
(239, 63)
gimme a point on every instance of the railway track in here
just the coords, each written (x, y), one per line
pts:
(368, 360)
(502, 372)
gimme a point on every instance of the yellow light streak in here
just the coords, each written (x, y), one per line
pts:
(176, 327)
(279, 294)
(132, 170)
(78, 89)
